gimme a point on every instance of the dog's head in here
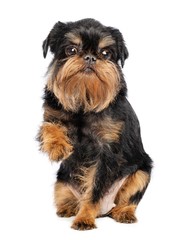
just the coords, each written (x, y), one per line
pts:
(84, 73)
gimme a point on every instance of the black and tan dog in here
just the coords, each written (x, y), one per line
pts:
(90, 126)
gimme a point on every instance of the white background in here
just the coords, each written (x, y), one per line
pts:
(151, 31)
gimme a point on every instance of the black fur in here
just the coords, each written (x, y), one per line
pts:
(113, 160)
(122, 158)
(92, 28)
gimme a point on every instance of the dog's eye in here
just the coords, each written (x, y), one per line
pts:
(71, 50)
(105, 54)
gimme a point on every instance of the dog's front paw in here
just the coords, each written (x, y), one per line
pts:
(59, 150)
(83, 224)
(54, 141)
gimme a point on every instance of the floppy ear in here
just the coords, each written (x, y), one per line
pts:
(55, 35)
(122, 51)
(45, 46)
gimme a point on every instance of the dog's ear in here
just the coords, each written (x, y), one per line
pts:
(122, 51)
(54, 37)
(45, 46)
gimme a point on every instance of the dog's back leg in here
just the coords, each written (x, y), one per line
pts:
(129, 196)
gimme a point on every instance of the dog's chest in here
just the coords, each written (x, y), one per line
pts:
(104, 129)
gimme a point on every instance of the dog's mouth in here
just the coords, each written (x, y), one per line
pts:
(88, 69)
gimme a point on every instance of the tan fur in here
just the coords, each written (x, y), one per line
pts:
(125, 211)
(106, 42)
(55, 141)
(93, 91)
(66, 202)
(51, 76)
(73, 38)
(85, 218)
(83, 80)
(87, 181)
(107, 130)
(70, 201)
(124, 214)
(134, 183)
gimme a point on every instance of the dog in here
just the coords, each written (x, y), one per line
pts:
(90, 127)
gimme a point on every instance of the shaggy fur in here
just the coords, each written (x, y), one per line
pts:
(90, 127)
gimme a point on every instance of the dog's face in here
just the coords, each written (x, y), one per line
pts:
(84, 73)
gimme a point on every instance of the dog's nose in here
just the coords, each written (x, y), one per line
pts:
(89, 58)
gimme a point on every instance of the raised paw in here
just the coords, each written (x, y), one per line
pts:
(59, 150)
(54, 141)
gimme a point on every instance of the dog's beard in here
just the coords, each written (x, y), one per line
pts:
(91, 88)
